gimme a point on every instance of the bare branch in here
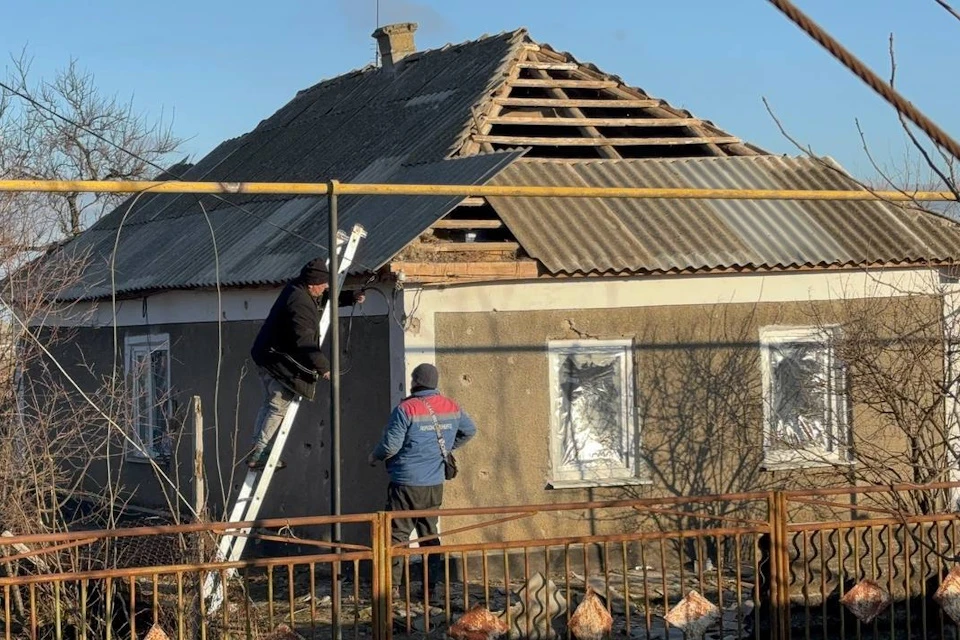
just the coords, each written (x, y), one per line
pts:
(904, 124)
(948, 8)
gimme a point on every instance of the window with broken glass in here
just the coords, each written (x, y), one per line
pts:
(804, 387)
(593, 414)
(148, 375)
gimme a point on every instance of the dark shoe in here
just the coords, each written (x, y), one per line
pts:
(257, 460)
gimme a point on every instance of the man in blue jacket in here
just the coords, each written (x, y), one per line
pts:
(414, 460)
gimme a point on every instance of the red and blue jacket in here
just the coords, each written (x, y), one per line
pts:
(409, 444)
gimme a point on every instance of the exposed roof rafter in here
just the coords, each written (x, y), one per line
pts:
(562, 108)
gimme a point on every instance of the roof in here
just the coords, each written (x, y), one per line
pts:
(270, 242)
(457, 115)
(590, 235)
(372, 124)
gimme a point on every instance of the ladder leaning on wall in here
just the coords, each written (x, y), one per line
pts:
(257, 482)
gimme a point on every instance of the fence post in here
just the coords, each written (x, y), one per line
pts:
(779, 566)
(385, 575)
(199, 495)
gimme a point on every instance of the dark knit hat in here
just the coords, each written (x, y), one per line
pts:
(426, 376)
(315, 272)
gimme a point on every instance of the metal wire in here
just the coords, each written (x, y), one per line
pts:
(863, 72)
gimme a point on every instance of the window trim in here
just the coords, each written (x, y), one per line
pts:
(809, 457)
(629, 473)
(132, 344)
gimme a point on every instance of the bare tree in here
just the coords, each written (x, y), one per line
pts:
(67, 129)
(64, 431)
(900, 353)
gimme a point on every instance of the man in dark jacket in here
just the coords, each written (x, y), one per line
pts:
(287, 351)
(411, 448)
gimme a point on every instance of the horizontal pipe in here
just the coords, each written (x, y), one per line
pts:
(45, 550)
(866, 523)
(499, 545)
(172, 569)
(321, 188)
(195, 527)
(577, 506)
(873, 488)
(220, 527)
(472, 527)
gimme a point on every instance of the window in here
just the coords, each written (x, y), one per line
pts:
(804, 399)
(593, 415)
(148, 374)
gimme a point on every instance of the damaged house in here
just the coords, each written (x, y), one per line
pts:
(604, 347)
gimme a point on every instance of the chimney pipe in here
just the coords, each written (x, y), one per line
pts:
(395, 42)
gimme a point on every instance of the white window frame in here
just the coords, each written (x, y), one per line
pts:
(611, 476)
(132, 346)
(840, 429)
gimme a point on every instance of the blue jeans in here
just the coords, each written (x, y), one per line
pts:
(276, 400)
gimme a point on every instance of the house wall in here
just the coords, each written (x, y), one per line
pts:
(230, 408)
(697, 369)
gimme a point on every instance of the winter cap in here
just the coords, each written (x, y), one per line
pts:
(426, 376)
(315, 272)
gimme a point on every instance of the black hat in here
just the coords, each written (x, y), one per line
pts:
(315, 272)
(426, 376)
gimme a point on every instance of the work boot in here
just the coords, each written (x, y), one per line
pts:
(257, 460)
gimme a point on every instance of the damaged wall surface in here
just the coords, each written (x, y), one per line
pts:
(302, 488)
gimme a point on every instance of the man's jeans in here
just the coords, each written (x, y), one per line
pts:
(276, 399)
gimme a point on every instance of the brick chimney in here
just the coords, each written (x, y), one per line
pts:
(395, 42)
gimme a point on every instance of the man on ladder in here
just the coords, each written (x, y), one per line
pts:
(287, 352)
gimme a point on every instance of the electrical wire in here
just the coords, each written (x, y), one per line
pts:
(216, 388)
(887, 92)
(113, 289)
(83, 394)
(391, 308)
(177, 175)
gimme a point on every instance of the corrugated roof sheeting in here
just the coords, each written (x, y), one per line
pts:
(592, 235)
(271, 243)
(370, 122)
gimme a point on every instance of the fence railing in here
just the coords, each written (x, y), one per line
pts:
(838, 563)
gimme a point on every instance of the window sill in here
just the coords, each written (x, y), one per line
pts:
(598, 483)
(140, 459)
(796, 465)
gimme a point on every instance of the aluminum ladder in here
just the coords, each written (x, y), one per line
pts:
(257, 482)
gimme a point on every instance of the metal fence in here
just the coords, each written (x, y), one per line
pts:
(838, 563)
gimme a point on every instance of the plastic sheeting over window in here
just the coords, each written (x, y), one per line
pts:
(803, 385)
(593, 412)
(800, 386)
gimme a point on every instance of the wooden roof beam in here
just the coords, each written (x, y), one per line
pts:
(580, 121)
(549, 66)
(556, 83)
(471, 146)
(451, 247)
(588, 130)
(697, 127)
(595, 142)
(454, 271)
(468, 224)
(577, 102)
(632, 94)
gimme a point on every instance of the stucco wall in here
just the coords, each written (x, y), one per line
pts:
(699, 399)
(302, 488)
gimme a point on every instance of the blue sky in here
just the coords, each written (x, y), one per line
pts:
(220, 66)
